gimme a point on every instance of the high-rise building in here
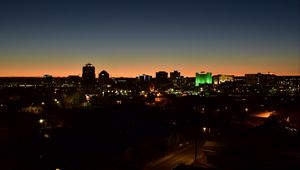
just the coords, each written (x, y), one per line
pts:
(144, 78)
(88, 74)
(175, 75)
(203, 78)
(176, 78)
(103, 77)
(161, 76)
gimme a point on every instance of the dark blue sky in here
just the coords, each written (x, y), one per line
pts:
(133, 37)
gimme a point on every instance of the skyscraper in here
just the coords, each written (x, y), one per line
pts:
(176, 78)
(161, 76)
(175, 75)
(88, 74)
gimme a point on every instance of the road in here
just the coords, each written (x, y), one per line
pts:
(185, 155)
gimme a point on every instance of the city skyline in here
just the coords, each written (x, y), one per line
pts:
(132, 38)
(99, 70)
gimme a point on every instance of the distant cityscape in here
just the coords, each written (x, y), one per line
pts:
(203, 84)
(89, 76)
(156, 91)
(164, 122)
(150, 85)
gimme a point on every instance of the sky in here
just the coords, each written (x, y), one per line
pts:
(129, 38)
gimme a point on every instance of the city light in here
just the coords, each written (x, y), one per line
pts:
(46, 135)
(264, 114)
(41, 121)
(87, 97)
(203, 78)
(149, 85)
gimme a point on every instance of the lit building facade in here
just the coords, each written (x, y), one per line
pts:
(203, 78)
(219, 79)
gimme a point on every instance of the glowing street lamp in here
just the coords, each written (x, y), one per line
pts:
(41, 121)
(204, 129)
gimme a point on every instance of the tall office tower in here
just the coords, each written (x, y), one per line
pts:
(161, 76)
(88, 74)
(175, 75)
(176, 78)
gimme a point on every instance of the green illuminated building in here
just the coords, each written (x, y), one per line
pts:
(203, 78)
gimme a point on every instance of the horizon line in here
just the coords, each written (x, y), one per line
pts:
(33, 76)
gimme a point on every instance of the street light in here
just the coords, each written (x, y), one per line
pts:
(204, 129)
(41, 121)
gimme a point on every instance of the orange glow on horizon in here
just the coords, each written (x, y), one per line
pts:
(125, 65)
(127, 72)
